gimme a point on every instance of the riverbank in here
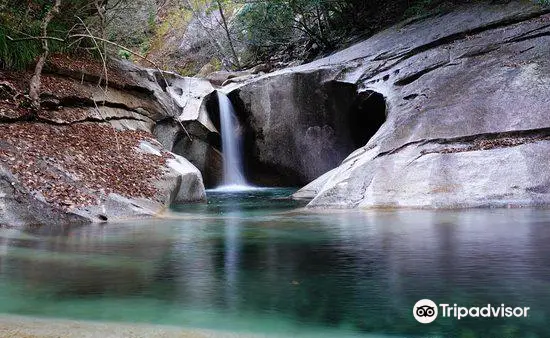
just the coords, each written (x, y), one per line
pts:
(27, 327)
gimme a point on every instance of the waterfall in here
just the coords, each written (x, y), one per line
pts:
(233, 177)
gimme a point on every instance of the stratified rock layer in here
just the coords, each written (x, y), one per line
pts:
(90, 155)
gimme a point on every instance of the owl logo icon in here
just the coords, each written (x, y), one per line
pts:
(425, 311)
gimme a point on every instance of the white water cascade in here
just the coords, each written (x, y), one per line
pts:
(233, 177)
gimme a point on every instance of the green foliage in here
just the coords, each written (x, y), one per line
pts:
(127, 22)
(267, 24)
(20, 21)
(151, 20)
(188, 70)
(16, 23)
(177, 19)
(124, 54)
(276, 24)
(216, 64)
(282, 26)
(421, 7)
(261, 28)
(16, 55)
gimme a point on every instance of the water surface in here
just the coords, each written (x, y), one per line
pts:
(255, 262)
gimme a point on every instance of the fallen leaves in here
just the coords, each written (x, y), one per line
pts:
(78, 165)
(88, 66)
(490, 143)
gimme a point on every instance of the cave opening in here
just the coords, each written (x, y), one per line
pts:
(366, 115)
(349, 117)
(213, 109)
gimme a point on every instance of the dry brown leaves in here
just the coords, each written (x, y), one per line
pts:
(12, 111)
(63, 87)
(487, 144)
(65, 115)
(72, 166)
(88, 65)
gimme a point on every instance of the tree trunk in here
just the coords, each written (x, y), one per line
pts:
(34, 87)
(101, 8)
(218, 48)
(228, 33)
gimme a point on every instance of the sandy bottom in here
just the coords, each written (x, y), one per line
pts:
(26, 327)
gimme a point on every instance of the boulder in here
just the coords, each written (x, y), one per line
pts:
(466, 96)
(190, 187)
(89, 155)
(312, 189)
(300, 124)
(202, 155)
(222, 77)
(468, 121)
(139, 178)
(188, 130)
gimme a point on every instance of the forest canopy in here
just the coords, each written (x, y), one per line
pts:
(230, 34)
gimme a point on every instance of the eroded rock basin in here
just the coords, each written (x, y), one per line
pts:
(257, 263)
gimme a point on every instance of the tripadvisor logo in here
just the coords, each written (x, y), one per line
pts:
(426, 311)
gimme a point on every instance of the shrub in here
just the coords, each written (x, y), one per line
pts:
(124, 54)
(16, 55)
(21, 20)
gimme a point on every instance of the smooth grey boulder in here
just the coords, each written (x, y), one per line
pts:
(101, 127)
(181, 98)
(312, 189)
(297, 123)
(202, 155)
(187, 128)
(468, 123)
(425, 177)
(180, 182)
(468, 112)
(189, 183)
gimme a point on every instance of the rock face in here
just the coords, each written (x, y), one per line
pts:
(85, 173)
(188, 130)
(302, 124)
(90, 154)
(468, 113)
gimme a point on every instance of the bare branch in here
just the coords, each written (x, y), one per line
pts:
(124, 48)
(228, 34)
(35, 38)
(100, 54)
(184, 129)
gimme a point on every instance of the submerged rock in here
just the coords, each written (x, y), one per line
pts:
(467, 98)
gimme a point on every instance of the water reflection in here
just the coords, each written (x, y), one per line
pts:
(231, 259)
(262, 266)
(83, 261)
